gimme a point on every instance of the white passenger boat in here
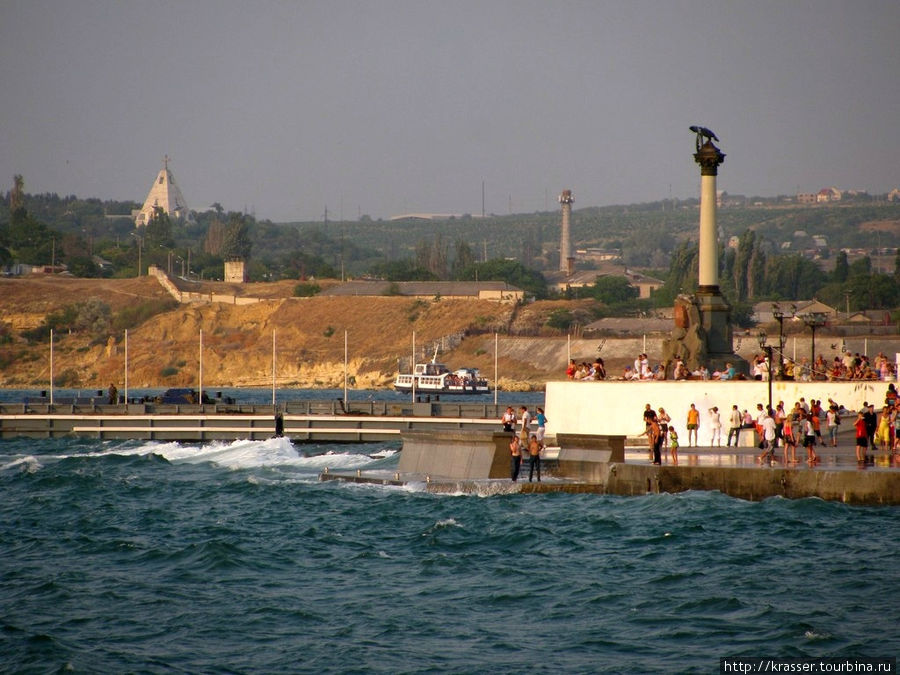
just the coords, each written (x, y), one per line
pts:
(436, 378)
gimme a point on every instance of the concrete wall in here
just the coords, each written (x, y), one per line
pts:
(472, 455)
(586, 457)
(754, 484)
(616, 408)
(455, 454)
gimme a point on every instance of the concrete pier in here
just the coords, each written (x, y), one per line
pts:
(616, 407)
(478, 463)
(321, 421)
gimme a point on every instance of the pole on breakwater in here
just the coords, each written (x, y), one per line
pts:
(51, 366)
(496, 380)
(126, 366)
(273, 366)
(200, 383)
(345, 369)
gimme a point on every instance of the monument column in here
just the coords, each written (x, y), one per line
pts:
(708, 157)
(702, 332)
(714, 310)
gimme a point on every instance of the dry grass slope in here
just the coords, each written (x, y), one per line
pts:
(237, 340)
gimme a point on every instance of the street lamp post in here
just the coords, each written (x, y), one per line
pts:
(779, 316)
(813, 320)
(767, 348)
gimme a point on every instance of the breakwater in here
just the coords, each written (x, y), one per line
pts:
(476, 462)
(301, 421)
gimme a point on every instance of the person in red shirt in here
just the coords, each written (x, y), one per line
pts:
(862, 438)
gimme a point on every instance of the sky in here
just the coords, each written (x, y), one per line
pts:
(287, 108)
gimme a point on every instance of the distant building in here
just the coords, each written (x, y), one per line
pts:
(646, 285)
(894, 195)
(581, 278)
(829, 194)
(497, 291)
(807, 198)
(433, 216)
(235, 272)
(764, 312)
(164, 194)
(599, 254)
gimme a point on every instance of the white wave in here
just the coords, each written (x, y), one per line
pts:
(245, 454)
(447, 522)
(239, 454)
(336, 460)
(27, 464)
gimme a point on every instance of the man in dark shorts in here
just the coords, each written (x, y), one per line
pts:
(862, 437)
(515, 458)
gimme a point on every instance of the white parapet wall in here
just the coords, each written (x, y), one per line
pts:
(617, 407)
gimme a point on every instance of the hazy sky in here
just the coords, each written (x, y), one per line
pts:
(386, 107)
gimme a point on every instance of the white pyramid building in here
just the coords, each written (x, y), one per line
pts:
(164, 194)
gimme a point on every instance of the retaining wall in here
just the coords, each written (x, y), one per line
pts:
(616, 408)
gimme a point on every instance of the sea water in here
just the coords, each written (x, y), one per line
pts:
(233, 557)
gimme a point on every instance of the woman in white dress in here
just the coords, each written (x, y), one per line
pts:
(715, 427)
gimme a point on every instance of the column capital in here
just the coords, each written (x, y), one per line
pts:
(709, 157)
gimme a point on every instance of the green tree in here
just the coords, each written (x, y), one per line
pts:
(433, 256)
(401, 270)
(792, 277)
(560, 319)
(158, 231)
(862, 267)
(841, 268)
(236, 244)
(30, 241)
(511, 271)
(613, 290)
(682, 277)
(463, 258)
(874, 291)
(741, 269)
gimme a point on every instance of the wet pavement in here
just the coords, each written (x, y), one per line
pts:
(842, 457)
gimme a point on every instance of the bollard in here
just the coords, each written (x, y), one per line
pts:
(427, 479)
(358, 473)
(397, 476)
(326, 470)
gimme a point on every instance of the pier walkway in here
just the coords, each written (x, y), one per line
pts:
(837, 476)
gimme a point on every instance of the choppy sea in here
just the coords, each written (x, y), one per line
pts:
(232, 557)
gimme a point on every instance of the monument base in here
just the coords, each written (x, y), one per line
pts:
(702, 334)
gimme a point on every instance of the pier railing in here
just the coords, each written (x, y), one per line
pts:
(318, 420)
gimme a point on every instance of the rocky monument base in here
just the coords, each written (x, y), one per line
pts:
(702, 335)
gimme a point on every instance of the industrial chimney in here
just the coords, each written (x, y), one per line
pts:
(566, 259)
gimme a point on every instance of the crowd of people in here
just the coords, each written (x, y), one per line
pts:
(806, 425)
(585, 370)
(849, 366)
(523, 441)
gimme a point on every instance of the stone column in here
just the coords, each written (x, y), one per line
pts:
(709, 158)
(714, 310)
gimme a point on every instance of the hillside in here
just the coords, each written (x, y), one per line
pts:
(237, 340)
